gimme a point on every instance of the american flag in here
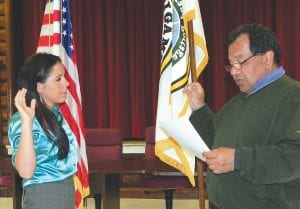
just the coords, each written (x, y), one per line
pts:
(56, 37)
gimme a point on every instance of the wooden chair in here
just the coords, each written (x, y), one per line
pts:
(102, 144)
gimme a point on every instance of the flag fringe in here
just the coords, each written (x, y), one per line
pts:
(181, 165)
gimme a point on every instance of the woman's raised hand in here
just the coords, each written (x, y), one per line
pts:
(27, 112)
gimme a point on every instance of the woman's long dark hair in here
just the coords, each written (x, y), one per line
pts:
(36, 70)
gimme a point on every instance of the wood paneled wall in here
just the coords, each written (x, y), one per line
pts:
(5, 70)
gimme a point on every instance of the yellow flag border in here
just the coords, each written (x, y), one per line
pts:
(183, 167)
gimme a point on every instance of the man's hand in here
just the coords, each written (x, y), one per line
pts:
(220, 160)
(195, 93)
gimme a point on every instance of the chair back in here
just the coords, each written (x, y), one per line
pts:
(150, 142)
(6, 180)
(6, 186)
(103, 144)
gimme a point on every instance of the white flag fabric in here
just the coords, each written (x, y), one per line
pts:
(56, 37)
(175, 74)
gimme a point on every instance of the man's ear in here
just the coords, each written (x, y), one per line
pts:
(269, 58)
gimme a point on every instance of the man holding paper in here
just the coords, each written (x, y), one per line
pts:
(254, 162)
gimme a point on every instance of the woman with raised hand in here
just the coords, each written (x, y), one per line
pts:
(44, 148)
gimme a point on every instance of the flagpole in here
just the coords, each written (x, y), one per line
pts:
(192, 50)
(199, 163)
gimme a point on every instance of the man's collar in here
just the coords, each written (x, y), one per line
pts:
(266, 80)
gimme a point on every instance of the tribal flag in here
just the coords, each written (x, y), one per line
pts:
(56, 38)
(175, 74)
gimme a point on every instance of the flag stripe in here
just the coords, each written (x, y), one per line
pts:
(49, 18)
(49, 40)
(72, 90)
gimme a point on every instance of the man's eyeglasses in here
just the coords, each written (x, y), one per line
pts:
(239, 65)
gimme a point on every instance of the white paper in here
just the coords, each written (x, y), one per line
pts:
(185, 134)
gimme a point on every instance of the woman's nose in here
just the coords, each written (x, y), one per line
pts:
(66, 82)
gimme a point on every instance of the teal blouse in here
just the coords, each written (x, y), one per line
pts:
(48, 167)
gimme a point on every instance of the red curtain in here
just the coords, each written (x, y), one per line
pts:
(118, 51)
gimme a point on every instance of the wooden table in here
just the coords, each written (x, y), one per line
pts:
(104, 173)
(104, 176)
(129, 166)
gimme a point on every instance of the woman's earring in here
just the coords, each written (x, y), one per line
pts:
(41, 99)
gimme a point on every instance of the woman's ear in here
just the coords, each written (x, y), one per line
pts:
(39, 87)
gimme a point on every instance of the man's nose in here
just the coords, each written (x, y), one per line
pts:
(234, 71)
